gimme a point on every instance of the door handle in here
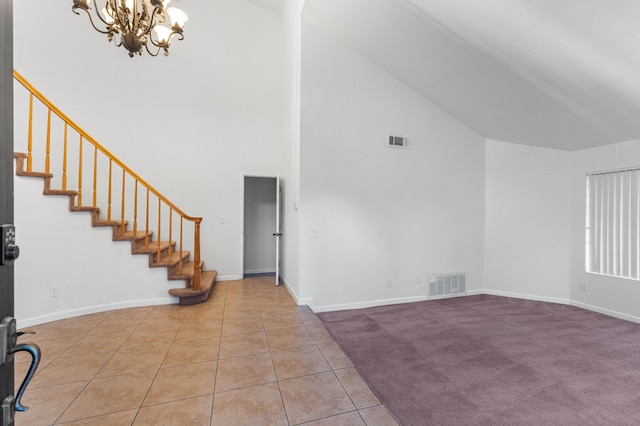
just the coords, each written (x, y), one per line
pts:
(8, 347)
(35, 353)
(277, 234)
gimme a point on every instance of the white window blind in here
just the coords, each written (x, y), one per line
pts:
(613, 223)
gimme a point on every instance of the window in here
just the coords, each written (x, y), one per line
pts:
(613, 223)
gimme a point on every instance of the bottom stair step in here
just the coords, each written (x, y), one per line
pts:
(189, 296)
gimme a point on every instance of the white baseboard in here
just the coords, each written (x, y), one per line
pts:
(526, 296)
(368, 304)
(28, 322)
(451, 296)
(381, 302)
(293, 293)
(562, 301)
(604, 311)
(607, 312)
(227, 277)
(289, 289)
(259, 271)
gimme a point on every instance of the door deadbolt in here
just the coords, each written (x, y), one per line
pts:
(9, 251)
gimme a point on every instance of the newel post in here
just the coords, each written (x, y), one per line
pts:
(196, 256)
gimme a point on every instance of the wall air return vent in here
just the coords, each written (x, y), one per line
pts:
(447, 285)
(398, 142)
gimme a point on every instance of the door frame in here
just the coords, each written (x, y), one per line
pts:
(241, 245)
(6, 180)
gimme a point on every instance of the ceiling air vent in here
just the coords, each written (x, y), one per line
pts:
(398, 142)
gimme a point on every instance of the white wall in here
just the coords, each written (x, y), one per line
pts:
(381, 213)
(613, 296)
(527, 221)
(259, 225)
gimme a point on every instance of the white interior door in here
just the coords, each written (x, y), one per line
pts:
(278, 233)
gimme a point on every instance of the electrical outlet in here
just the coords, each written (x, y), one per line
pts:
(388, 283)
(53, 291)
(584, 286)
(419, 280)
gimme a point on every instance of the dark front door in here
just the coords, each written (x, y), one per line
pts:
(6, 172)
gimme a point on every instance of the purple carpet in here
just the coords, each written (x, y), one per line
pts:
(487, 360)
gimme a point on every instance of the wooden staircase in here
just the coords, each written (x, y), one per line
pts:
(115, 185)
(162, 254)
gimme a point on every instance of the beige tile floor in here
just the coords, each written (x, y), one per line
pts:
(249, 356)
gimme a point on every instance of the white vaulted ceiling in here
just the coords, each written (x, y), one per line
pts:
(554, 73)
(276, 6)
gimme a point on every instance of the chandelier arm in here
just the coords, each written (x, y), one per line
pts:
(74, 9)
(152, 23)
(155, 13)
(135, 18)
(151, 53)
(142, 18)
(99, 15)
(117, 11)
(152, 20)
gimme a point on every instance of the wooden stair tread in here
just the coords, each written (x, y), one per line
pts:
(84, 209)
(109, 223)
(154, 246)
(66, 192)
(129, 235)
(187, 272)
(172, 260)
(34, 174)
(189, 296)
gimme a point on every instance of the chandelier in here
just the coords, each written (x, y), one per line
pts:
(135, 24)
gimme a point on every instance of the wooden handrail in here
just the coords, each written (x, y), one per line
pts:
(105, 151)
(84, 136)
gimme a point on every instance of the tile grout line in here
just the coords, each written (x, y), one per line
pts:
(155, 376)
(275, 373)
(97, 372)
(215, 380)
